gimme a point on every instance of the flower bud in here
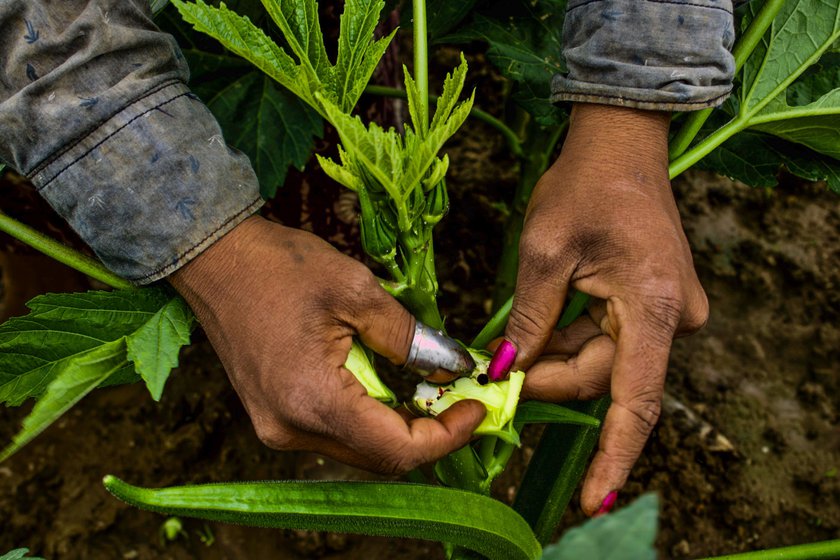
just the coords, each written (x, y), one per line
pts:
(437, 204)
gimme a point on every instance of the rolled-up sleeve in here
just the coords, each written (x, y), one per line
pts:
(95, 110)
(670, 55)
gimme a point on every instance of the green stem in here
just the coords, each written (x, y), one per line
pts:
(708, 144)
(512, 139)
(61, 253)
(540, 146)
(555, 470)
(421, 54)
(813, 551)
(745, 47)
(494, 327)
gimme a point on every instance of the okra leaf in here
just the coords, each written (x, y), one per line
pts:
(628, 533)
(535, 412)
(2, 168)
(801, 32)
(245, 39)
(79, 376)
(358, 54)
(524, 41)
(378, 151)
(368, 508)
(271, 125)
(298, 21)
(154, 347)
(756, 159)
(18, 554)
(442, 15)
(36, 348)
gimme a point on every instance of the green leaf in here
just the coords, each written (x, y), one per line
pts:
(2, 168)
(755, 159)
(271, 125)
(536, 412)
(299, 23)
(36, 348)
(368, 508)
(80, 376)
(242, 37)
(525, 43)
(442, 16)
(155, 346)
(627, 534)
(18, 554)
(801, 32)
(358, 54)
(799, 36)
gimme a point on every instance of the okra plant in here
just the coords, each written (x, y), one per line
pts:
(785, 111)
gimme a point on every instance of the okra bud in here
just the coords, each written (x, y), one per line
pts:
(379, 237)
(437, 203)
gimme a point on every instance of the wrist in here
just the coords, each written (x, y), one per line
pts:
(620, 135)
(215, 273)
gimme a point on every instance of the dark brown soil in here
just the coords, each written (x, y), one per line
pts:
(764, 373)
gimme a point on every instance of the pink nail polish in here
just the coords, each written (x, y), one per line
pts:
(608, 503)
(502, 361)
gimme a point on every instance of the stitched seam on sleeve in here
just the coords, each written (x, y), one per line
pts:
(657, 2)
(108, 137)
(626, 98)
(75, 141)
(157, 271)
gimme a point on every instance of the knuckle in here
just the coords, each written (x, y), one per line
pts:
(697, 313)
(646, 408)
(272, 435)
(540, 255)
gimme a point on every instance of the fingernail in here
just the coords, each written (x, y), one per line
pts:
(502, 361)
(608, 503)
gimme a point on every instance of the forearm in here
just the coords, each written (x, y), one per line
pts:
(95, 111)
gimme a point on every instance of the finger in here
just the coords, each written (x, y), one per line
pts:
(383, 325)
(390, 444)
(537, 301)
(584, 376)
(571, 339)
(638, 380)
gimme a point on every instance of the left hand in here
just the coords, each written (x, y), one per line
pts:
(603, 220)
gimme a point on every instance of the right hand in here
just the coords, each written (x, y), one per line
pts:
(281, 308)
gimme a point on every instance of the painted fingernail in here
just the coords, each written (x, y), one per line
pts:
(502, 361)
(608, 503)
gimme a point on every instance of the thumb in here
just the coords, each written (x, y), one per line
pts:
(537, 302)
(383, 325)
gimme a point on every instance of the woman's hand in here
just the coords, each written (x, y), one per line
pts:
(281, 308)
(603, 220)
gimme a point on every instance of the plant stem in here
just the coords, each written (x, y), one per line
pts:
(555, 470)
(745, 47)
(494, 326)
(708, 144)
(813, 551)
(512, 139)
(539, 148)
(421, 54)
(61, 253)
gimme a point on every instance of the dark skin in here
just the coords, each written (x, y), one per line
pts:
(281, 306)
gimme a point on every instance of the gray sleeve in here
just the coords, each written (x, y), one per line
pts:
(670, 55)
(95, 111)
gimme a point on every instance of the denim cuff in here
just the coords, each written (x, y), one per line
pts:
(667, 55)
(95, 111)
(153, 186)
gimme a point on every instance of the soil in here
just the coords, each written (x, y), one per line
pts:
(763, 374)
